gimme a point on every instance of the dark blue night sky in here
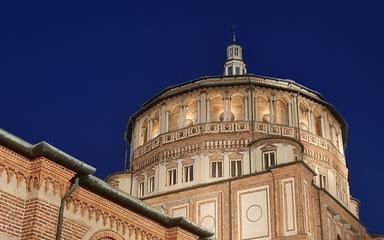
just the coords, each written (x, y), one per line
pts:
(73, 72)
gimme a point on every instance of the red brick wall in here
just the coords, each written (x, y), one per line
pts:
(72, 230)
(36, 218)
(39, 221)
(11, 215)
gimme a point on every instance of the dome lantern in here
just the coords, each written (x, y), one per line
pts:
(234, 64)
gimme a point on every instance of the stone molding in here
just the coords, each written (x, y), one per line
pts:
(35, 173)
(106, 234)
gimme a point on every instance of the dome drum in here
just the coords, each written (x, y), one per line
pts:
(202, 89)
(221, 116)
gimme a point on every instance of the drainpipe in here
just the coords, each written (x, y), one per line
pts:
(61, 211)
(321, 214)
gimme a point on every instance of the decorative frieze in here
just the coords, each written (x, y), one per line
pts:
(260, 127)
(41, 173)
(212, 128)
(241, 126)
(288, 132)
(181, 134)
(229, 127)
(193, 131)
(217, 144)
(318, 156)
(180, 151)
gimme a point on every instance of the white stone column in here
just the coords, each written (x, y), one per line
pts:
(229, 108)
(157, 177)
(160, 123)
(204, 168)
(136, 134)
(271, 112)
(179, 122)
(250, 104)
(203, 107)
(245, 166)
(294, 111)
(326, 126)
(198, 112)
(309, 120)
(183, 111)
(166, 129)
(226, 167)
(341, 147)
(318, 176)
(162, 119)
(348, 194)
(226, 108)
(333, 135)
(179, 173)
(149, 123)
(197, 169)
(255, 107)
(331, 182)
(134, 187)
(322, 126)
(145, 185)
(208, 110)
(185, 108)
(290, 113)
(246, 108)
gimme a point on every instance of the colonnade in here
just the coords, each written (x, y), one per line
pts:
(226, 106)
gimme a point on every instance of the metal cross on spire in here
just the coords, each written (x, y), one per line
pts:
(233, 33)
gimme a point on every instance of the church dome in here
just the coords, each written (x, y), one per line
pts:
(221, 127)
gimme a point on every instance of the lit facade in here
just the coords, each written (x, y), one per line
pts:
(245, 156)
(48, 194)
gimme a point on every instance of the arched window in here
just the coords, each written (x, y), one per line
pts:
(318, 123)
(217, 108)
(106, 235)
(174, 118)
(144, 132)
(281, 112)
(191, 113)
(303, 116)
(263, 109)
(337, 142)
(155, 125)
(338, 237)
(237, 107)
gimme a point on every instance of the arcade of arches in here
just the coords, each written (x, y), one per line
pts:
(235, 105)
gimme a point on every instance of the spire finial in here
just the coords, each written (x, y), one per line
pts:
(233, 33)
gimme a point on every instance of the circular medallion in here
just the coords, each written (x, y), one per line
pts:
(254, 213)
(208, 222)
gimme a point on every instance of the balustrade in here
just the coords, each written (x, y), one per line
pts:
(233, 127)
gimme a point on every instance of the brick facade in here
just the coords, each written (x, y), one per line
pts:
(11, 215)
(31, 190)
(227, 192)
